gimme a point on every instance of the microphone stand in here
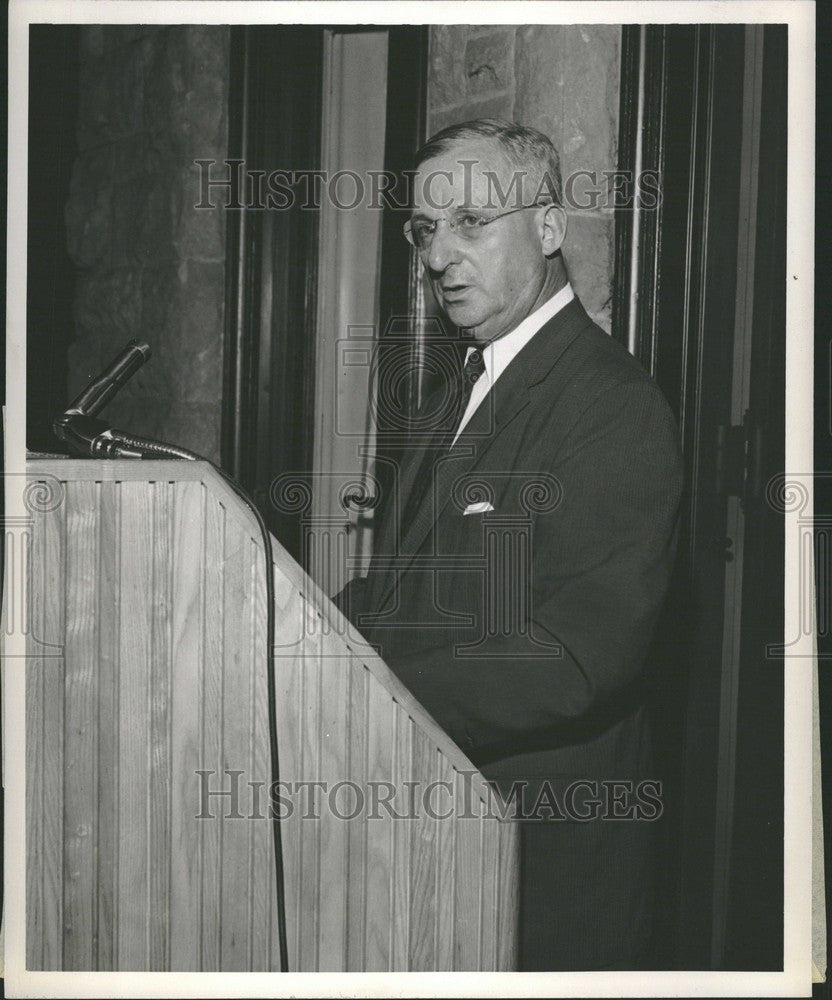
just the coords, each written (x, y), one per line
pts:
(86, 436)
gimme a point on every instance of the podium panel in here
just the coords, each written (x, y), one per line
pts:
(148, 773)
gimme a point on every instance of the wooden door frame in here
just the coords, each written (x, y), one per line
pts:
(757, 839)
(676, 283)
(272, 258)
(400, 294)
(271, 264)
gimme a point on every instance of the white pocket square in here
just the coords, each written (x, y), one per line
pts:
(478, 508)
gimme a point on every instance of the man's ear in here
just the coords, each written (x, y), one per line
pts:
(553, 229)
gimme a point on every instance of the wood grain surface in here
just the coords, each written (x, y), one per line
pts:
(150, 577)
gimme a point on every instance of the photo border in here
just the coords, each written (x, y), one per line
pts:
(795, 979)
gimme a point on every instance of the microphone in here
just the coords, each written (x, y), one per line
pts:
(88, 436)
(102, 389)
(77, 426)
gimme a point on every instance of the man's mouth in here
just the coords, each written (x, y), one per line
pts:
(452, 292)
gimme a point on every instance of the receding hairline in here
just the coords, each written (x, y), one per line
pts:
(523, 147)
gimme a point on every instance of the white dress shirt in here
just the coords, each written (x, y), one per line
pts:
(499, 353)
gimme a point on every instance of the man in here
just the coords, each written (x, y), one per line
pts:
(561, 470)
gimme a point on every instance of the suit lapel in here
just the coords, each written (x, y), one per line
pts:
(493, 415)
(503, 403)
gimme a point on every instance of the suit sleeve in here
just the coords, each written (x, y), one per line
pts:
(601, 563)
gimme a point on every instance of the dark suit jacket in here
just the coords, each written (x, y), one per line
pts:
(524, 630)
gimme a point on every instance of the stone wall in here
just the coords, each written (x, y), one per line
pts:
(561, 79)
(152, 99)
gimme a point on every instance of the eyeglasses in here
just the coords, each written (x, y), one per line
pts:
(469, 225)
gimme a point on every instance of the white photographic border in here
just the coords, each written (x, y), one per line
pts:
(795, 979)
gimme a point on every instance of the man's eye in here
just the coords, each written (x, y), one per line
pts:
(423, 229)
(468, 220)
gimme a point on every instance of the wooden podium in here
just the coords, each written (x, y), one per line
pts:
(146, 695)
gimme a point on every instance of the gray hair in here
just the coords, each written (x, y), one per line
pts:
(527, 148)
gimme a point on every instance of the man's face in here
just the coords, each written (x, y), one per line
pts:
(488, 284)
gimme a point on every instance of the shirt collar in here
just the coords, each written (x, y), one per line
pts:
(499, 353)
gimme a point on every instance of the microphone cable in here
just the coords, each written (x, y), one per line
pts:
(161, 450)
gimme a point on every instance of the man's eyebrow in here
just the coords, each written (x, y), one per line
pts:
(418, 216)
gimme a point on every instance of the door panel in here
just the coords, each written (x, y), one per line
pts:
(688, 298)
(349, 267)
(272, 266)
(293, 270)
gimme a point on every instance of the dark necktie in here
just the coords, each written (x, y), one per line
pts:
(441, 441)
(474, 367)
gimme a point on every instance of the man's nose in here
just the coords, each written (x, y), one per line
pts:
(444, 248)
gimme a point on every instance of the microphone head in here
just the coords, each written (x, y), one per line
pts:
(101, 389)
(143, 347)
